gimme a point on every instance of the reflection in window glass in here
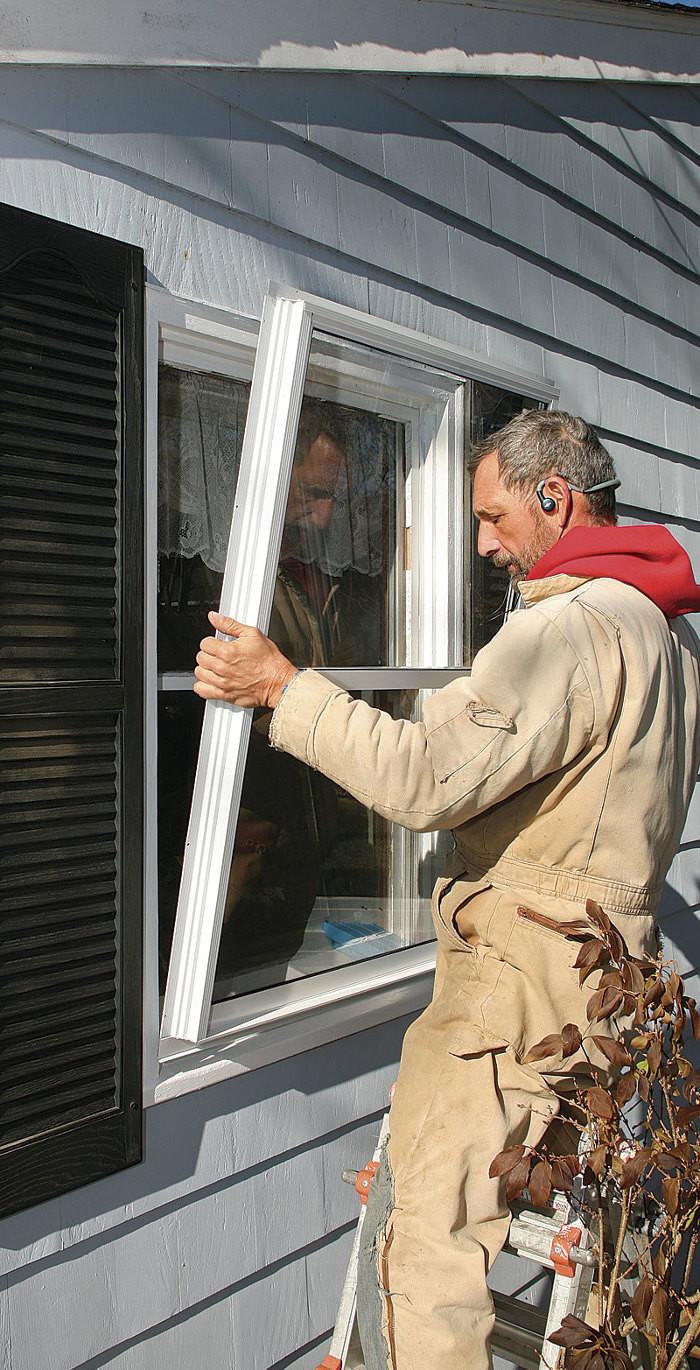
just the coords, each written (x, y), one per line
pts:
(315, 879)
(335, 595)
(311, 874)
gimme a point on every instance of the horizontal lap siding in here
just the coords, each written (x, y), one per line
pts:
(549, 225)
(232, 1237)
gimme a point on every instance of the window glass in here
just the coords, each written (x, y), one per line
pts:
(316, 879)
(336, 587)
(201, 419)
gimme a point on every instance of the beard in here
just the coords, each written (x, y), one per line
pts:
(519, 567)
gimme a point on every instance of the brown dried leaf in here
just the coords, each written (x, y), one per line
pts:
(633, 1168)
(597, 1360)
(562, 1177)
(506, 1161)
(603, 1004)
(670, 1190)
(643, 964)
(632, 977)
(654, 992)
(621, 1360)
(688, 1115)
(599, 1103)
(518, 1178)
(582, 1357)
(659, 1309)
(616, 944)
(691, 1082)
(682, 1152)
(643, 1088)
(626, 1089)
(641, 1301)
(596, 1160)
(664, 1160)
(654, 1056)
(592, 955)
(694, 1018)
(573, 1332)
(611, 977)
(548, 1046)
(540, 1185)
(576, 928)
(597, 915)
(571, 1039)
(613, 1050)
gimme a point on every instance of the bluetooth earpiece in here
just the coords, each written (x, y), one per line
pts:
(549, 504)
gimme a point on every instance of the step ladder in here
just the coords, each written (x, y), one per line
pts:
(557, 1239)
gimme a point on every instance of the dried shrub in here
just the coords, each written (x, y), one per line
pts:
(644, 1161)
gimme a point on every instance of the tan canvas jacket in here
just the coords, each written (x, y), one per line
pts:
(564, 763)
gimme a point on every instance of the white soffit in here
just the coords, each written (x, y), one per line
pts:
(571, 39)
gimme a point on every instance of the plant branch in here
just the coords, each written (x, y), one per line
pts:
(689, 1263)
(615, 1274)
(601, 1255)
(691, 1332)
(670, 1111)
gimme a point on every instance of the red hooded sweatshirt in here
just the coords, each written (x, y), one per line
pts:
(646, 556)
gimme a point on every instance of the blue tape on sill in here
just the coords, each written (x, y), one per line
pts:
(360, 940)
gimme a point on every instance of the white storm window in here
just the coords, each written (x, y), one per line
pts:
(347, 545)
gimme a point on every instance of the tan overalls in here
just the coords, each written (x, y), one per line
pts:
(564, 765)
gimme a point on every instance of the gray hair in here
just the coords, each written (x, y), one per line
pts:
(539, 442)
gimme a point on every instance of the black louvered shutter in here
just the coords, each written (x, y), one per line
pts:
(71, 359)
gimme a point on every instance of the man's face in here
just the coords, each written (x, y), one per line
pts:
(317, 481)
(513, 531)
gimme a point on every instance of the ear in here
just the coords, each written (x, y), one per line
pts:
(555, 498)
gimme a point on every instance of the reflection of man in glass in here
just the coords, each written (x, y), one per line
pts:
(302, 610)
(287, 818)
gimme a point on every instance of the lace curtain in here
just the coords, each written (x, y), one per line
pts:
(201, 424)
(200, 434)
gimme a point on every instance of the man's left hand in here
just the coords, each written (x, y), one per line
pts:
(249, 671)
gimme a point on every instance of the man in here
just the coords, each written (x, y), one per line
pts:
(564, 765)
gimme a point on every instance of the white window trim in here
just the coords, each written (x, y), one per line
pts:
(209, 339)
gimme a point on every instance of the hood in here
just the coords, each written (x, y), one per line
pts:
(646, 556)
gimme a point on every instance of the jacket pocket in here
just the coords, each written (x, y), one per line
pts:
(459, 899)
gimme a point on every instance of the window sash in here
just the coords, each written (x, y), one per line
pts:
(256, 535)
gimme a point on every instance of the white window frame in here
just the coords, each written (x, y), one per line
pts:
(195, 1035)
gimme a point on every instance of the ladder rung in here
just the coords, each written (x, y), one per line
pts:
(519, 1330)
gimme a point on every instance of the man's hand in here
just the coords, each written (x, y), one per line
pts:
(250, 671)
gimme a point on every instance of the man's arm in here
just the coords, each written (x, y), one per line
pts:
(528, 709)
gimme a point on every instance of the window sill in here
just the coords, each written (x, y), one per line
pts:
(311, 1022)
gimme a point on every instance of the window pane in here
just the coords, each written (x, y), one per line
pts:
(316, 879)
(338, 580)
(201, 418)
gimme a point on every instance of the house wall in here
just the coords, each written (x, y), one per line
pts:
(548, 224)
